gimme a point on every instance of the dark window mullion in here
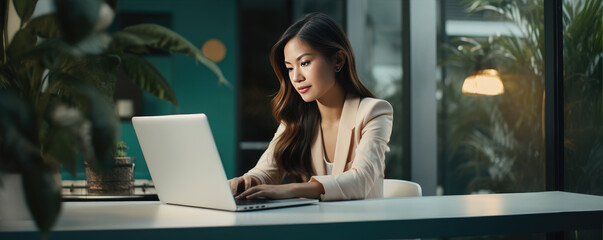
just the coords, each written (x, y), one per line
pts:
(553, 48)
(406, 161)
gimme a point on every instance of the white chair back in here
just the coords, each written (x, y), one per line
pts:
(400, 188)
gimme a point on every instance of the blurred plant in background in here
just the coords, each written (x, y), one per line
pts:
(496, 144)
(57, 80)
(583, 85)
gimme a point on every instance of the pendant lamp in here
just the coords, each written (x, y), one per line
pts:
(485, 82)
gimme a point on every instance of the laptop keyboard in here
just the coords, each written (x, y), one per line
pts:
(243, 202)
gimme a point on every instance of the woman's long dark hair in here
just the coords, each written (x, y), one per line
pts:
(292, 150)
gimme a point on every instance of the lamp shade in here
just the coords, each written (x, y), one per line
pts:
(484, 82)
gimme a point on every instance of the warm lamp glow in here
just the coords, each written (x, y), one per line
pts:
(483, 83)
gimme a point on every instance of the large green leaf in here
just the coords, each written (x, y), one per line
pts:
(48, 53)
(124, 41)
(99, 70)
(19, 151)
(65, 136)
(3, 81)
(42, 187)
(57, 56)
(6, 82)
(170, 41)
(148, 77)
(18, 131)
(77, 18)
(25, 8)
(15, 77)
(22, 42)
(113, 4)
(94, 44)
(45, 26)
(100, 129)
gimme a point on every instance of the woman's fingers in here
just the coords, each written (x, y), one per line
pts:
(268, 191)
(245, 182)
(257, 194)
(255, 180)
(234, 184)
(280, 191)
(248, 182)
(246, 193)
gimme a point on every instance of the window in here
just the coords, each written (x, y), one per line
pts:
(375, 32)
(491, 143)
(583, 95)
(583, 101)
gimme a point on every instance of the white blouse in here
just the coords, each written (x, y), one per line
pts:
(328, 166)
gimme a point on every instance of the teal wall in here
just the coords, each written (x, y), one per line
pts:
(196, 86)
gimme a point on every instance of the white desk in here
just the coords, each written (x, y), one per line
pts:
(438, 216)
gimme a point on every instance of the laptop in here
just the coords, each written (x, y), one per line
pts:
(185, 166)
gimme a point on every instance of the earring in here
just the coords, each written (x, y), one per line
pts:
(336, 69)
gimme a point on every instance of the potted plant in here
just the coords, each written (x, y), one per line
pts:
(117, 180)
(57, 78)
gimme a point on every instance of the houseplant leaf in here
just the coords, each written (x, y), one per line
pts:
(48, 53)
(125, 41)
(45, 26)
(170, 41)
(18, 130)
(22, 42)
(65, 136)
(77, 18)
(99, 70)
(25, 8)
(113, 4)
(19, 134)
(147, 77)
(15, 77)
(3, 81)
(93, 44)
(43, 194)
(99, 131)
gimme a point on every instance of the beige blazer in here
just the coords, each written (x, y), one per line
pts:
(364, 131)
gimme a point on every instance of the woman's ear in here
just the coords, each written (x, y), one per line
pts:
(339, 60)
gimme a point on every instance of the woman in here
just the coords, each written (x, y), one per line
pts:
(333, 133)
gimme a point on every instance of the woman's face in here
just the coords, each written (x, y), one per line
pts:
(310, 72)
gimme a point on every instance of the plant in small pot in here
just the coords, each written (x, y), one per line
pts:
(117, 180)
(57, 80)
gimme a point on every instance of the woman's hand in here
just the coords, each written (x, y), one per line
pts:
(244, 182)
(293, 190)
